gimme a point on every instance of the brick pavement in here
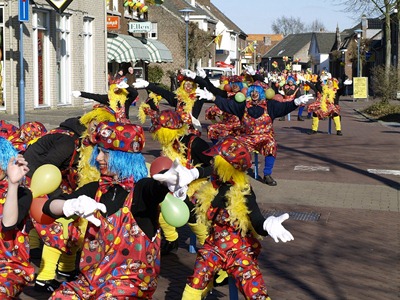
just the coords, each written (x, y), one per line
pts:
(352, 251)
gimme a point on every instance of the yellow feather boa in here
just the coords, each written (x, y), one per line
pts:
(188, 99)
(328, 97)
(236, 200)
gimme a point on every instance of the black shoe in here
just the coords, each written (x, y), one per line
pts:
(312, 132)
(169, 247)
(300, 119)
(67, 276)
(269, 180)
(339, 132)
(47, 285)
(282, 119)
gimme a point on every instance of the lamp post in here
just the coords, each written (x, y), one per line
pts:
(186, 13)
(269, 64)
(358, 32)
(255, 54)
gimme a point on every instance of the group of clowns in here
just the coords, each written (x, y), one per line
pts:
(103, 228)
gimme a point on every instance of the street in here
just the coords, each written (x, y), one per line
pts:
(344, 215)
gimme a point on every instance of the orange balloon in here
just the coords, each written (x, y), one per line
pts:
(36, 211)
(227, 87)
(160, 164)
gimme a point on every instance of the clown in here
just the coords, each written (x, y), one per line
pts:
(325, 106)
(183, 99)
(228, 206)
(60, 258)
(122, 195)
(15, 201)
(172, 134)
(119, 98)
(27, 134)
(256, 115)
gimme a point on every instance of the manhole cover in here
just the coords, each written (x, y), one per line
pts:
(294, 215)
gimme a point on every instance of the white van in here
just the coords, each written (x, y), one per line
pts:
(215, 73)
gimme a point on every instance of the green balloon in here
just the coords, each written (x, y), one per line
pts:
(175, 212)
(240, 97)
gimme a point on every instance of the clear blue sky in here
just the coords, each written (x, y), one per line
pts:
(258, 18)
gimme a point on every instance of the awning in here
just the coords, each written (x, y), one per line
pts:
(125, 48)
(158, 51)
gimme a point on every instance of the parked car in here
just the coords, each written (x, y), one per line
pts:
(215, 73)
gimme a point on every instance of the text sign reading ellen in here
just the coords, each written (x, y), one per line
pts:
(136, 27)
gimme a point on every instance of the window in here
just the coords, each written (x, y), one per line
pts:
(63, 46)
(153, 33)
(2, 64)
(115, 5)
(40, 39)
(88, 53)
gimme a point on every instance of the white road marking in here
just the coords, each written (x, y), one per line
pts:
(311, 168)
(385, 172)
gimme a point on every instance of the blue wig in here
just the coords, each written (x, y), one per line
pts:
(258, 88)
(124, 164)
(7, 151)
(240, 84)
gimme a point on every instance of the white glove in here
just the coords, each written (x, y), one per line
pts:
(76, 94)
(273, 225)
(122, 85)
(189, 74)
(181, 193)
(186, 176)
(266, 80)
(201, 73)
(140, 84)
(84, 207)
(169, 178)
(303, 99)
(177, 176)
(205, 94)
(196, 124)
(250, 70)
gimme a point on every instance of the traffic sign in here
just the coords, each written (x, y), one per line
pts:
(23, 10)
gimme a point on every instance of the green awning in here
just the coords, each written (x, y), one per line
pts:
(125, 48)
(158, 51)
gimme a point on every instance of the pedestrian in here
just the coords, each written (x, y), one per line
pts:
(227, 205)
(16, 270)
(256, 115)
(121, 253)
(130, 76)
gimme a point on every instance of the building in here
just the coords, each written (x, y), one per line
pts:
(56, 52)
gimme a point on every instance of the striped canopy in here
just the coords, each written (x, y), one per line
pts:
(158, 51)
(125, 48)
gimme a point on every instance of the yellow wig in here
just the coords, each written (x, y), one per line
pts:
(144, 107)
(86, 172)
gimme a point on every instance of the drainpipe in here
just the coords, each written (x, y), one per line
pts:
(11, 65)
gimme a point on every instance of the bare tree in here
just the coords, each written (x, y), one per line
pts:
(316, 26)
(288, 25)
(198, 40)
(383, 8)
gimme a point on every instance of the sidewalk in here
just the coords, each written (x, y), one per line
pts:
(345, 222)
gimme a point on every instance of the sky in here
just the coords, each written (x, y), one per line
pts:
(259, 17)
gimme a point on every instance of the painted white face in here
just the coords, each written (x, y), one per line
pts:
(188, 86)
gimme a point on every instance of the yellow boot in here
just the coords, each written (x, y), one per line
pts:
(338, 126)
(171, 237)
(192, 294)
(200, 230)
(314, 125)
